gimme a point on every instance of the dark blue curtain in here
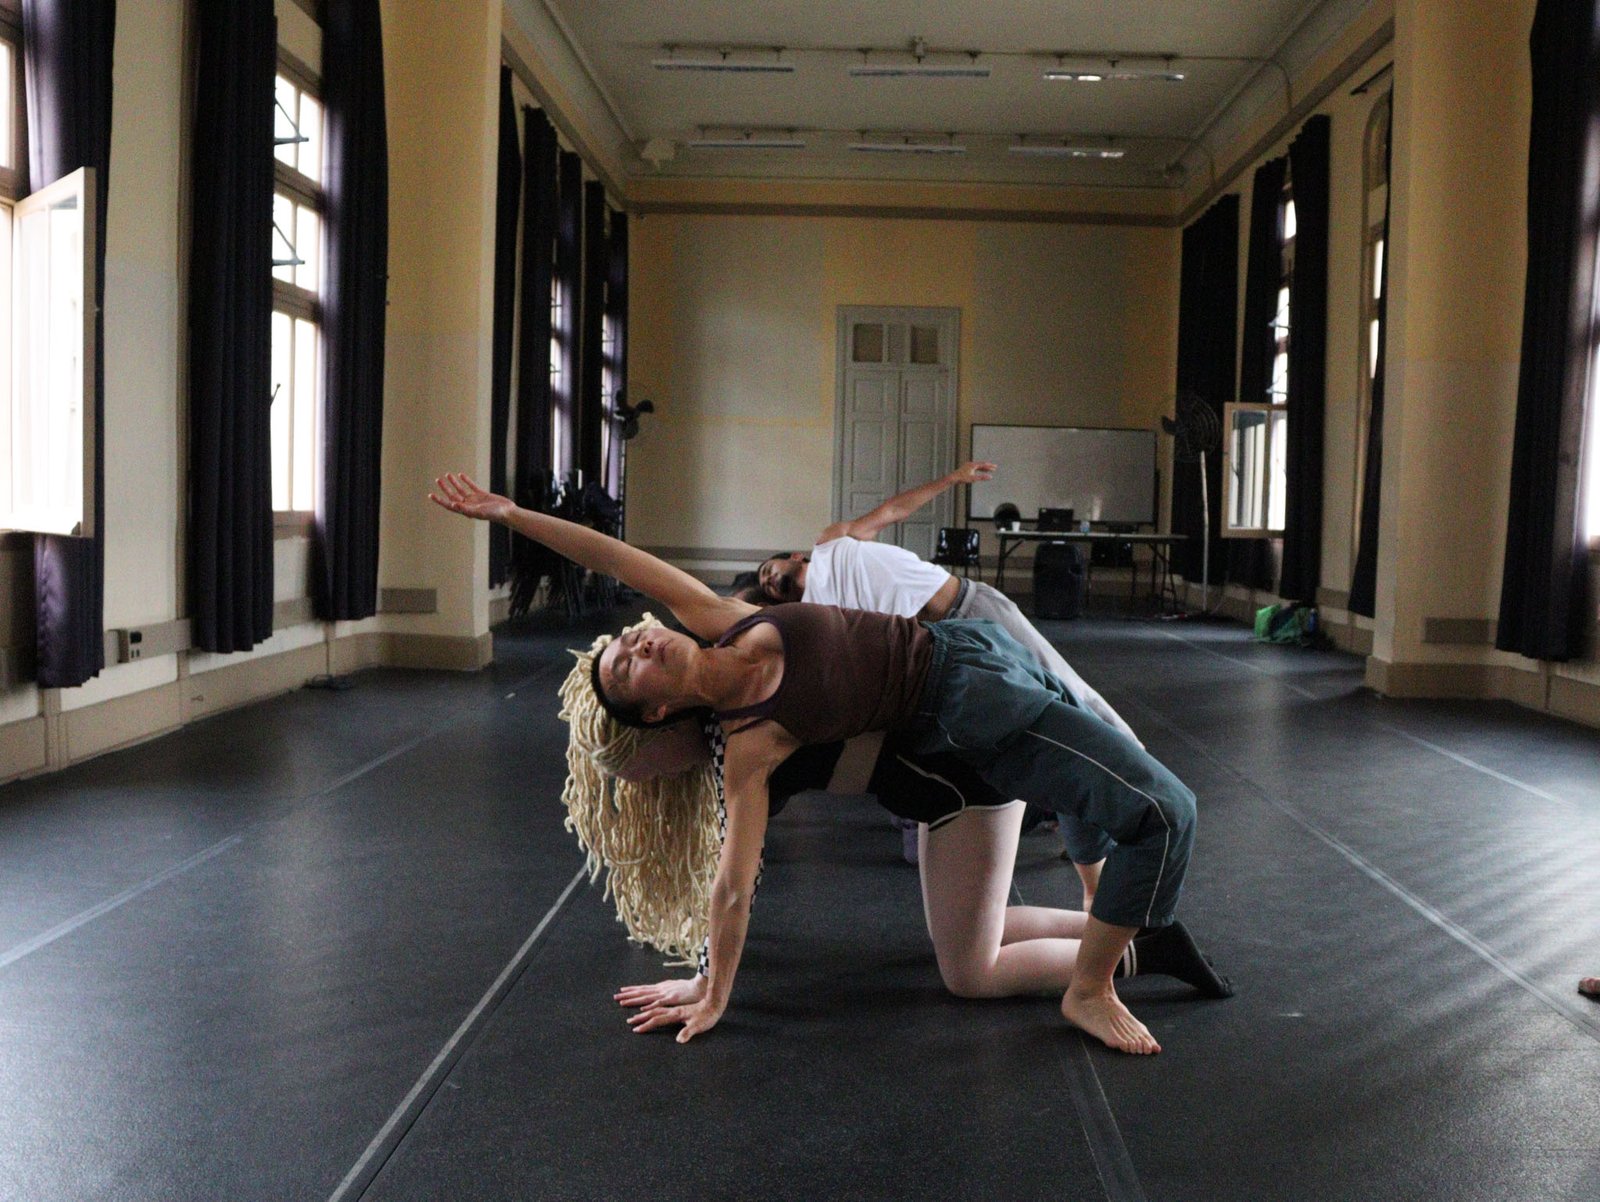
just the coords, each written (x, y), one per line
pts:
(617, 307)
(1301, 573)
(345, 546)
(508, 198)
(530, 561)
(1542, 609)
(1364, 580)
(230, 327)
(67, 50)
(1207, 304)
(569, 270)
(1250, 560)
(596, 266)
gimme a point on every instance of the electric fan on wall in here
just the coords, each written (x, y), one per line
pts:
(1197, 432)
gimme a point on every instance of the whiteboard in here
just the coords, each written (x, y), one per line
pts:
(1102, 475)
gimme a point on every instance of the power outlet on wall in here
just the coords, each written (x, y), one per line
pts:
(132, 644)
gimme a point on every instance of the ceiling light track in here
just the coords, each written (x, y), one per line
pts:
(918, 59)
(726, 59)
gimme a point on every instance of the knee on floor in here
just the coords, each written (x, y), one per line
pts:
(967, 979)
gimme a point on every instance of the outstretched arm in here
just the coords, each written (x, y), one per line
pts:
(691, 602)
(699, 1002)
(899, 508)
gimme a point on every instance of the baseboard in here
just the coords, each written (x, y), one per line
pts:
(255, 680)
(121, 722)
(23, 749)
(1347, 636)
(355, 652)
(1559, 696)
(449, 653)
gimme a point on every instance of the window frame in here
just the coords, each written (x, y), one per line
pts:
(1273, 408)
(1370, 312)
(14, 180)
(294, 301)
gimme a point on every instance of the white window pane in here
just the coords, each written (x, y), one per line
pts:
(7, 118)
(1377, 270)
(308, 247)
(1278, 483)
(1289, 223)
(282, 406)
(1374, 333)
(1280, 375)
(1246, 458)
(302, 475)
(5, 353)
(47, 416)
(283, 130)
(283, 233)
(310, 158)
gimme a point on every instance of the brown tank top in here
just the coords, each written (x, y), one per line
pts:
(845, 671)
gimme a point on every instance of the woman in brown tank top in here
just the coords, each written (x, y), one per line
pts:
(646, 676)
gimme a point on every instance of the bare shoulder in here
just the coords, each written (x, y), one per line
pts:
(755, 752)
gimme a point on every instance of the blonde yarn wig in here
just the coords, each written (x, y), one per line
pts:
(656, 839)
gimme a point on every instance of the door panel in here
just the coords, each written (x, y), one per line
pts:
(921, 458)
(895, 426)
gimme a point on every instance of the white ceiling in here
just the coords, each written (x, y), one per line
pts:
(1223, 46)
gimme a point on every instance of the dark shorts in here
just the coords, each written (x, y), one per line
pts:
(923, 788)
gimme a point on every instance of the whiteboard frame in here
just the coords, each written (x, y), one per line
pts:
(1155, 480)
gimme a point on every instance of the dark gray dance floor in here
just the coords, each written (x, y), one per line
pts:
(337, 946)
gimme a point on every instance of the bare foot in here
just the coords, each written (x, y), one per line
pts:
(1590, 987)
(1103, 1015)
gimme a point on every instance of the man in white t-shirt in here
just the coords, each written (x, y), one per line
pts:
(847, 567)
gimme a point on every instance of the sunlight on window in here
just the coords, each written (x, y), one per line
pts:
(1589, 488)
(294, 409)
(1289, 223)
(45, 434)
(7, 91)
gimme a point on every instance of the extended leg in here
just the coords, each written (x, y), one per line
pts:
(966, 877)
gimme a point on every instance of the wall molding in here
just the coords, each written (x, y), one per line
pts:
(905, 213)
(1467, 632)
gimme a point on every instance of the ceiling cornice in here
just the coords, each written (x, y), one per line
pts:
(538, 47)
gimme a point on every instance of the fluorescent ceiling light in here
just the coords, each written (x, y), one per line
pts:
(762, 143)
(909, 147)
(1113, 73)
(1059, 151)
(722, 62)
(934, 70)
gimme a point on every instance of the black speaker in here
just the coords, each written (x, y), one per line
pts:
(1060, 581)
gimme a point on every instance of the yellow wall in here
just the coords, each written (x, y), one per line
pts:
(732, 333)
(1460, 184)
(442, 74)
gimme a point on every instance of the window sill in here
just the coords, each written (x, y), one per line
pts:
(292, 523)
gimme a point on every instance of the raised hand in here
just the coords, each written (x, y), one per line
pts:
(973, 471)
(459, 494)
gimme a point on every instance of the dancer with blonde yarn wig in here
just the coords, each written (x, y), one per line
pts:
(794, 675)
(643, 805)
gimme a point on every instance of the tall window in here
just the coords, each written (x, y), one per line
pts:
(1258, 427)
(297, 248)
(13, 155)
(1375, 237)
(47, 325)
(560, 384)
(610, 376)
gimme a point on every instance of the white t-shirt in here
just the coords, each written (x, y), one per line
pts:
(871, 576)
